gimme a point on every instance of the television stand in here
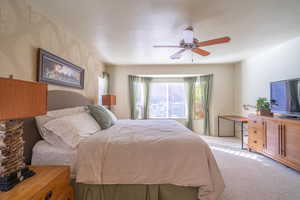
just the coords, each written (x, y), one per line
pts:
(276, 138)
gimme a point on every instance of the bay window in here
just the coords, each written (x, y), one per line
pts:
(167, 100)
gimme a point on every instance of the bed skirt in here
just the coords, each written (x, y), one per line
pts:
(134, 192)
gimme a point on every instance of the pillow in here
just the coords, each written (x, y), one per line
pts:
(103, 116)
(72, 128)
(48, 136)
(66, 111)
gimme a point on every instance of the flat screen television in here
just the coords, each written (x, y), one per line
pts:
(285, 97)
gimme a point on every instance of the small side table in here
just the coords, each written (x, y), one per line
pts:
(234, 118)
(50, 182)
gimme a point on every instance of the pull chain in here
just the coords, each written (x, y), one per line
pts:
(192, 57)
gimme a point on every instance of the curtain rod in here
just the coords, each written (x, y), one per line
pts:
(171, 75)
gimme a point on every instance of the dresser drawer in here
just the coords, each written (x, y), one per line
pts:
(49, 183)
(255, 143)
(67, 194)
(54, 189)
(255, 138)
(256, 133)
(256, 123)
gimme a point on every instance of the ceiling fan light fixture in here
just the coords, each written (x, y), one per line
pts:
(188, 36)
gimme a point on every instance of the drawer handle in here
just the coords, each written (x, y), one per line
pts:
(255, 141)
(48, 195)
(255, 132)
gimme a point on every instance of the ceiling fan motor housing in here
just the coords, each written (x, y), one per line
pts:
(185, 45)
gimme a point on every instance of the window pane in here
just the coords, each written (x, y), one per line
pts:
(167, 100)
(176, 95)
(158, 100)
(101, 89)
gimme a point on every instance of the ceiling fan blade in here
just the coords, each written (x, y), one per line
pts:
(200, 52)
(166, 46)
(177, 55)
(214, 41)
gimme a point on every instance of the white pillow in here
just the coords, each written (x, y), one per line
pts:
(72, 128)
(48, 136)
(66, 111)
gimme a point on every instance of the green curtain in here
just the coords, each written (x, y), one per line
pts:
(146, 84)
(136, 84)
(190, 83)
(106, 79)
(133, 83)
(206, 87)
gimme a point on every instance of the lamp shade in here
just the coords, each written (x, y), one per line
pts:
(22, 99)
(109, 100)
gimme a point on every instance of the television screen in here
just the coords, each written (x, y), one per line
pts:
(285, 97)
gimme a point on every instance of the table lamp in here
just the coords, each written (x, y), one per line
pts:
(109, 100)
(18, 100)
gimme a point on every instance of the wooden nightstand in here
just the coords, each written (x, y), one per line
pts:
(49, 183)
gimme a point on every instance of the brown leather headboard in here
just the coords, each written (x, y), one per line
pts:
(57, 99)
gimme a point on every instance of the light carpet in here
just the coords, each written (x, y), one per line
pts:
(251, 176)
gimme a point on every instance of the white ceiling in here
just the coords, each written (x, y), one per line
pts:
(123, 31)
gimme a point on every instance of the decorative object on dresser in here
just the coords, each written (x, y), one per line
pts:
(263, 107)
(109, 100)
(19, 99)
(248, 106)
(55, 70)
(235, 119)
(50, 182)
(277, 138)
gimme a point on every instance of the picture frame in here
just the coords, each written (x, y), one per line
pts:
(55, 70)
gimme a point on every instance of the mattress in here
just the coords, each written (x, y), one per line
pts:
(44, 153)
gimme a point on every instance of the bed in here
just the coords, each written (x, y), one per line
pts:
(91, 185)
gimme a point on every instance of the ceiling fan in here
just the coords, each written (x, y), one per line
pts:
(190, 43)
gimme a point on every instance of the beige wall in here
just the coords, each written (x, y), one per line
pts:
(223, 85)
(23, 31)
(253, 76)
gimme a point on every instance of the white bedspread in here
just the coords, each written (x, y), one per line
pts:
(44, 153)
(149, 152)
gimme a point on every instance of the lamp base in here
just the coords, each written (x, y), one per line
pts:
(9, 181)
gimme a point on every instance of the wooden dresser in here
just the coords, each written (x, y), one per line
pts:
(276, 138)
(49, 183)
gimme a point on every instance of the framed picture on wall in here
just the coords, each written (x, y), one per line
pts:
(55, 70)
